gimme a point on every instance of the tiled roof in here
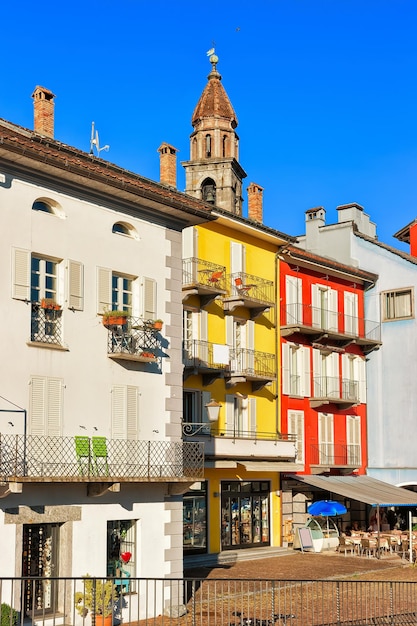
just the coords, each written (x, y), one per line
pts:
(214, 102)
(385, 246)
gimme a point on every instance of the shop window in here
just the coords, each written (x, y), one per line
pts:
(121, 553)
(245, 514)
(195, 520)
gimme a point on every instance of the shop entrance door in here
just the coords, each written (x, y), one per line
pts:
(39, 560)
(245, 514)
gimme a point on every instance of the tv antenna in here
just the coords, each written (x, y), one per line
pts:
(95, 142)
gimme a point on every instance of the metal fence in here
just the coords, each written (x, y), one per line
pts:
(208, 602)
(95, 458)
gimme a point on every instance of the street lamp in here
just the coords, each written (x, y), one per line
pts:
(213, 410)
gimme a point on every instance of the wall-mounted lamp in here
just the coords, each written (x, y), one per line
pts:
(213, 410)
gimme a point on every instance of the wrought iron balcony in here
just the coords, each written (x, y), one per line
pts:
(134, 340)
(203, 278)
(251, 365)
(337, 455)
(46, 324)
(331, 389)
(252, 292)
(323, 325)
(237, 443)
(205, 358)
(97, 459)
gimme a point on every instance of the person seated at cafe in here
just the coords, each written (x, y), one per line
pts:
(355, 527)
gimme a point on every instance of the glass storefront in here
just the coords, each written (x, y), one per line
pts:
(245, 514)
(195, 521)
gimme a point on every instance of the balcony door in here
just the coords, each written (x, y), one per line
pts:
(353, 439)
(325, 312)
(240, 337)
(293, 296)
(39, 567)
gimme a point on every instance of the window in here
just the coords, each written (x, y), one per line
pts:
(122, 228)
(293, 295)
(121, 553)
(326, 379)
(240, 416)
(46, 311)
(46, 400)
(326, 439)
(397, 304)
(125, 412)
(245, 513)
(295, 370)
(240, 337)
(353, 439)
(296, 427)
(46, 205)
(195, 519)
(44, 278)
(351, 313)
(325, 313)
(194, 410)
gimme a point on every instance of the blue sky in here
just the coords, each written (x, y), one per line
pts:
(324, 90)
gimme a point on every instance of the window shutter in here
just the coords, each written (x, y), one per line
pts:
(37, 405)
(118, 402)
(293, 295)
(205, 399)
(132, 405)
(333, 310)
(149, 298)
(361, 365)
(285, 368)
(252, 415)
(237, 257)
(250, 334)
(351, 312)
(75, 285)
(189, 242)
(104, 301)
(333, 384)
(54, 414)
(203, 325)
(21, 274)
(230, 413)
(316, 304)
(296, 427)
(306, 372)
(229, 330)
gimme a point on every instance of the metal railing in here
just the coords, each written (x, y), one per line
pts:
(81, 458)
(197, 272)
(199, 353)
(190, 429)
(136, 337)
(252, 288)
(46, 324)
(336, 454)
(331, 321)
(333, 387)
(252, 363)
(214, 602)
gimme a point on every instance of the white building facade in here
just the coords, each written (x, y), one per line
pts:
(392, 397)
(91, 457)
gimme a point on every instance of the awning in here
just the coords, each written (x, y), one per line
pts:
(362, 488)
(271, 466)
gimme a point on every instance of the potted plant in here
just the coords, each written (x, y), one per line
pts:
(9, 616)
(98, 597)
(147, 355)
(50, 304)
(157, 324)
(115, 318)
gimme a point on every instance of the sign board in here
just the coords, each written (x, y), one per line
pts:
(306, 539)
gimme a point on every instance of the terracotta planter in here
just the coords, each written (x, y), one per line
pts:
(46, 303)
(102, 620)
(157, 325)
(114, 321)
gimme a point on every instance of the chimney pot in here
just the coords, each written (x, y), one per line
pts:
(43, 109)
(255, 208)
(168, 165)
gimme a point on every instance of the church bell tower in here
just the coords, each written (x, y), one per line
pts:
(213, 172)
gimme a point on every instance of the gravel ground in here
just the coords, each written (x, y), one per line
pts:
(312, 566)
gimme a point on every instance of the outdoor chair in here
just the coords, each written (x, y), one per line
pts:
(99, 447)
(82, 451)
(368, 547)
(241, 288)
(215, 277)
(346, 546)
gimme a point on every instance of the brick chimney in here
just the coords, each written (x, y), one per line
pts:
(43, 109)
(255, 193)
(168, 164)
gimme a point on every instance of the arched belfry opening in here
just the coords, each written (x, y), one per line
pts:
(208, 191)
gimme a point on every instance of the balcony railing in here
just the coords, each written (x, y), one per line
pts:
(252, 292)
(203, 278)
(135, 340)
(336, 455)
(203, 354)
(75, 459)
(191, 429)
(46, 324)
(252, 364)
(312, 320)
(336, 390)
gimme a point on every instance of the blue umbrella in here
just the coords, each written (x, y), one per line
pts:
(326, 508)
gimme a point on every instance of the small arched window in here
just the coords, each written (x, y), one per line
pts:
(208, 146)
(208, 191)
(46, 205)
(122, 228)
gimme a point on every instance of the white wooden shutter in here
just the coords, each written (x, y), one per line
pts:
(296, 427)
(37, 405)
(204, 351)
(333, 318)
(351, 313)
(316, 305)
(46, 406)
(75, 285)
(132, 412)
(230, 331)
(189, 242)
(118, 412)
(293, 296)
(252, 416)
(21, 274)
(286, 368)
(149, 298)
(317, 374)
(361, 369)
(230, 413)
(104, 300)
(54, 415)
(333, 380)
(305, 372)
(237, 257)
